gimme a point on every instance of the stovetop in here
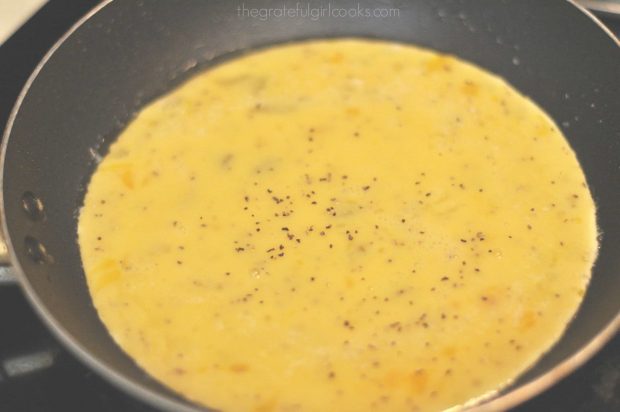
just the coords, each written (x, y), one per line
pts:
(38, 374)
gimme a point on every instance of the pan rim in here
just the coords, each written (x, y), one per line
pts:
(500, 401)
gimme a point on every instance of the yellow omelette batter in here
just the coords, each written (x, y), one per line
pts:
(340, 225)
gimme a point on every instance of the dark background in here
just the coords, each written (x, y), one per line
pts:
(64, 384)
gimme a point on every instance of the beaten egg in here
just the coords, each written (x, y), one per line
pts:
(344, 225)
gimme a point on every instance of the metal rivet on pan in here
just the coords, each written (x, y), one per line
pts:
(33, 206)
(36, 251)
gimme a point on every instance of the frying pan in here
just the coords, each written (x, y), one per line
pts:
(125, 53)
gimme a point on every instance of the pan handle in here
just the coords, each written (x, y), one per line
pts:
(6, 271)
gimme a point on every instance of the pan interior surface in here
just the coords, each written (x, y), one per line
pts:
(130, 52)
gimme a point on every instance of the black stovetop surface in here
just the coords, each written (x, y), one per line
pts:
(37, 374)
